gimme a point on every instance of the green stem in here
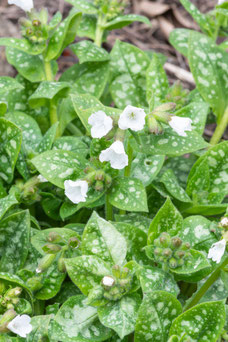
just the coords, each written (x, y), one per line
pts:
(99, 31)
(108, 209)
(53, 113)
(74, 130)
(208, 283)
(220, 129)
(48, 71)
(127, 171)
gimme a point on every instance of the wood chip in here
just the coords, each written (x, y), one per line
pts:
(152, 9)
(180, 73)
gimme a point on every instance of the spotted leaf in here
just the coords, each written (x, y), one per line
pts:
(179, 39)
(78, 322)
(10, 144)
(125, 20)
(155, 317)
(120, 315)
(6, 203)
(23, 45)
(84, 6)
(202, 322)
(101, 238)
(128, 194)
(89, 52)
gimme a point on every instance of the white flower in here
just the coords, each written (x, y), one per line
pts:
(220, 2)
(180, 125)
(76, 191)
(217, 250)
(108, 281)
(20, 325)
(224, 222)
(101, 124)
(116, 155)
(42, 179)
(26, 5)
(133, 118)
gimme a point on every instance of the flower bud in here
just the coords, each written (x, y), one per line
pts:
(224, 222)
(90, 178)
(116, 271)
(108, 180)
(179, 254)
(99, 186)
(6, 318)
(154, 126)
(176, 242)
(100, 175)
(51, 248)
(61, 265)
(165, 239)
(167, 252)
(54, 237)
(15, 292)
(165, 107)
(108, 282)
(46, 262)
(157, 243)
(73, 242)
(36, 22)
(88, 169)
(35, 283)
(125, 272)
(185, 246)
(158, 251)
(172, 263)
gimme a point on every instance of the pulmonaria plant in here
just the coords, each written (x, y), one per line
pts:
(113, 200)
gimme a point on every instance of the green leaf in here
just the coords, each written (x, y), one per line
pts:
(40, 239)
(73, 144)
(146, 168)
(217, 291)
(39, 328)
(8, 84)
(197, 112)
(3, 108)
(6, 203)
(197, 231)
(86, 51)
(77, 322)
(170, 181)
(168, 219)
(156, 81)
(194, 269)
(87, 271)
(89, 77)
(155, 317)
(125, 20)
(136, 240)
(58, 166)
(48, 139)
(120, 315)
(23, 45)
(10, 143)
(100, 238)
(128, 68)
(136, 220)
(84, 6)
(199, 17)
(14, 236)
(169, 143)
(202, 322)
(29, 66)
(208, 65)
(207, 209)
(87, 27)
(48, 91)
(179, 40)
(154, 279)
(209, 174)
(63, 36)
(128, 194)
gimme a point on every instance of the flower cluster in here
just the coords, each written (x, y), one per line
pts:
(25, 5)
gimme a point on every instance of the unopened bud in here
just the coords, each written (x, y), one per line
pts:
(99, 186)
(172, 263)
(165, 239)
(224, 222)
(125, 272)
(29, 31)
(61, 265)
(158, 251)
(157, 243)
(15, 292)
(54, 237)
(90, 178)
(108, 180)
(179, 254)
(50, 248)
(36, 22)
(116, 271)
(100, 175)
(73, 242)
(88, 169)
(35, 283)
(8, 316)
(154, 126)
(166, 107)
(167, 252)
(176, 242)
(186, 246)
(46, 262)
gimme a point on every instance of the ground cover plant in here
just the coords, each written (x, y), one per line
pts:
(113, 207)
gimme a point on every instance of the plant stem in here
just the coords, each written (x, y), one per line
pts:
(127, 170)
(99, 31)
(108, 209)
(48, 71)
(53, 113)
(220, 129)
(210, 281)
(74, 130)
